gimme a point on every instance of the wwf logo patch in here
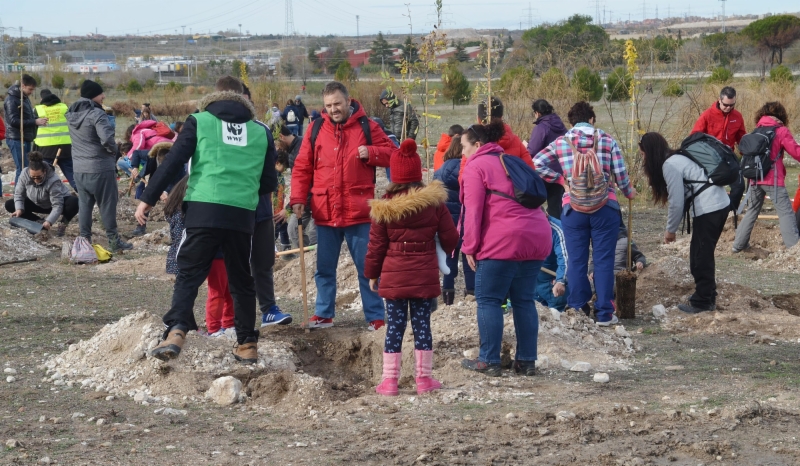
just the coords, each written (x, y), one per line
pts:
(234, 134)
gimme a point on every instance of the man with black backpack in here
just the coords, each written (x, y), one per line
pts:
(762, 165)
(336, 164)
(725, 123)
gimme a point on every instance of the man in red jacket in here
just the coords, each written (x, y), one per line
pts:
(725, 123)
(339, 171)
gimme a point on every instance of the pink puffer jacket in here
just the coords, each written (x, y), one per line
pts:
(144, 137)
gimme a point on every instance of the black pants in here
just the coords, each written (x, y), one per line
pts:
(195, 255)
(262, 261)
(70, 209)
(555, 192)
(706, 233)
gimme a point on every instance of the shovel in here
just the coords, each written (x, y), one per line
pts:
(626, 279)
(32, 227)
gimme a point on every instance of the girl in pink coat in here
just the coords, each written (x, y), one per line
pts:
(772, 114)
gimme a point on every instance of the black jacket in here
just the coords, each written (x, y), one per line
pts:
(303, 111)
(233, 108)
(294, 149)
(11, 107)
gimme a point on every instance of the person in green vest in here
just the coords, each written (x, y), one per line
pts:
(54, 137)
(232, 163)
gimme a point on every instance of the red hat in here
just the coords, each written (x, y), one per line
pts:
(405, 164)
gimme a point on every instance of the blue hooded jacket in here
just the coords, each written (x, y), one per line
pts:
(448, 175)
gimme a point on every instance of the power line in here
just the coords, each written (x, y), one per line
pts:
(289, 23)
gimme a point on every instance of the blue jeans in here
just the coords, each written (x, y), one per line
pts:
(124, 164)
(294, 128)
(493, 280)
(388, 175)
(601, 228)
(449, 281)
(544, 292)
(66, 168)
(16, 153)
(329, 245)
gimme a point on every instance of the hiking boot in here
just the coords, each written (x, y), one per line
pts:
(391, 372)
(690, 309)
(614, 321)
(736, 251)
(526, 368)
(375, 325)
(492, 370)
(171, 344)
(139, 230)
(119, 245)
(448, 296)
(319, 322)
(247, 352)
(275, 317)
(61, 230)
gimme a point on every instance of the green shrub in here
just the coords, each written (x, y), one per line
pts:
(515, 79)
(133, 87)
(781, 74)
(173, 87)
(618, 83)
(57, 81)
(345, 72)
(720, 75)
(150, 84)
(589, 84)
(672, 89)
(554, 78)
(370, 69)
(455, 86)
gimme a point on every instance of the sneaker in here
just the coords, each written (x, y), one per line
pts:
(275, 317)
(526, 368)
(319, 322)
(375, 325)
(507, 307)
(613, 321)
(492, 370)
(120, 245)
(139, 230)
(689, 309)
(217, 334)
(736, 251)
(61, 230)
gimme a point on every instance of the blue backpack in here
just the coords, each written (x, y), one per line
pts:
(529, 189)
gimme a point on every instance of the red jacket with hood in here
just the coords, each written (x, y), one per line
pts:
(783, 142)
(401, 249)
(727, 127)
(2, 129)
(441, 148)
(512, 145)
(340, 182)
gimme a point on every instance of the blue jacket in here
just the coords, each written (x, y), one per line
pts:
(297, 114)
(557, 260)
(448, 175)
(546, 130)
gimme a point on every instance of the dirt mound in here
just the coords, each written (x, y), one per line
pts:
(18, 244)
(288, 283)
(158, 240)
(740, 310)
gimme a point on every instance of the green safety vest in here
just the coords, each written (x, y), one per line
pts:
(56, 132)
(227, 162)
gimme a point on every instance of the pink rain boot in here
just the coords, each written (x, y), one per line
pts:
(425, 383)
(391, 372)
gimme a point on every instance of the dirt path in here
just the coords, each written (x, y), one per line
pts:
(685, 392)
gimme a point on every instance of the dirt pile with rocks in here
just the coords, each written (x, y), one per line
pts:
(17, 244)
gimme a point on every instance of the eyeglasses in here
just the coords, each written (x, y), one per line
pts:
(37, 178)
(723, 104)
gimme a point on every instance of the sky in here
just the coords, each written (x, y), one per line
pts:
(338, 17)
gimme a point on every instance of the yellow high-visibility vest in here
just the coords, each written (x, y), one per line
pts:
(56, 132)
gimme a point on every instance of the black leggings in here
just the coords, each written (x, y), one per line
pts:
(70, 209)
(397, 310)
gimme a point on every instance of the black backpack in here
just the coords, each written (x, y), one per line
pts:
(362, 120)
(755, 148)
(717, 161)
(529, 189)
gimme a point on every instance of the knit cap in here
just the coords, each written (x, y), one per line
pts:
(90, 89)
(405, 164)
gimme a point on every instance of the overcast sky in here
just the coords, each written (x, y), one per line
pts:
(317, 17)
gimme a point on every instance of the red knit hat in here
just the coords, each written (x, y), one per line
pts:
(405, 164)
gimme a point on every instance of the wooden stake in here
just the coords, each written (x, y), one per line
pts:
(303, 276)
(626, 279)
(292, 251)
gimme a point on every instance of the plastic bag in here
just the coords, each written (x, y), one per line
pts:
(82, 252)
(103, 254)
(441, 256)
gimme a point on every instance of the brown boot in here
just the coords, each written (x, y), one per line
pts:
(246, 352)
(170, 346)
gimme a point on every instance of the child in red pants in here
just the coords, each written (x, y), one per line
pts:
(219, 304)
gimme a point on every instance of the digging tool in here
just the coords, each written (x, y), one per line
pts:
(19, 261)
(626, 279)
(292, 251)
(303, 276)
(32, 227)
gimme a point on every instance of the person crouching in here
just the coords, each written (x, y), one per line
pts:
(402, 254)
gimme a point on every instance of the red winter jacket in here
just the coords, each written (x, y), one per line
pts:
(340, 182)
(402, 250)
(2, 129)
(512, 145)
(727, 127)
(441, 148)
(783, 142)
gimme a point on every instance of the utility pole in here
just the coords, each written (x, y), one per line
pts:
(597, 12)
(240, 39)
(183, 33)
(289, 31)
(358, 35)
(723, 15)
(3, 47)
(530, 16)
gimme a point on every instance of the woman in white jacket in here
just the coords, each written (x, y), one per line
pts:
(667, 173)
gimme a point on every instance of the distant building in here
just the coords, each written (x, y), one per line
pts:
(89, 56)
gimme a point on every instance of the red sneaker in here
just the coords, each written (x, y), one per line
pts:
(375, 325)
(319, 322)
